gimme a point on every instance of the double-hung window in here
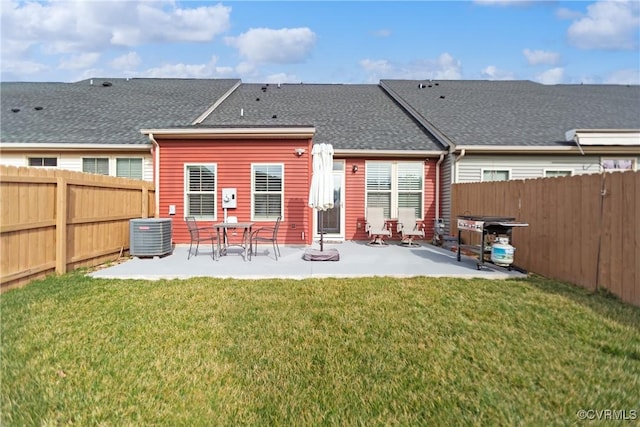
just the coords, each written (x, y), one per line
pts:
(618, 164)
(129, 168)
(551, 173)
(393, 185)
(200, 194)
(267, 191)
(495, 175)
(99, 165)
(43, 161)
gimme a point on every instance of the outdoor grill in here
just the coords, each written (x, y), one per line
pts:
(495, 232)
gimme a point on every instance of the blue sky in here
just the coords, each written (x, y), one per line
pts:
(549, 42)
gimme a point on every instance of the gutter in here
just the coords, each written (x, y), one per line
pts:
(156, 172)
(564, 149)
(244, 132)
(21, 146)
(388, 153)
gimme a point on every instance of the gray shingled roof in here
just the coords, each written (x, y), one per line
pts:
(84, 113)
(346, 116)
(518, 112)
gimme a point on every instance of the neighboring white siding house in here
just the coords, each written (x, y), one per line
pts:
(137, 165)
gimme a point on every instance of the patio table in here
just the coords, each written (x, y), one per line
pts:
(245, 244)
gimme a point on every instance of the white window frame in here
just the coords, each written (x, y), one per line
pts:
(545, 171)
(95, 159)
(496, 169)
(187, 193)
(42, 158)
(253, 192)
(394, 191)
(633, 160)
(115, 171)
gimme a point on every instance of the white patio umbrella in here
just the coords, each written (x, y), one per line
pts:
(321, 192)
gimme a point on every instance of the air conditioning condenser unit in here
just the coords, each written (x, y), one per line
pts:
(150, 236)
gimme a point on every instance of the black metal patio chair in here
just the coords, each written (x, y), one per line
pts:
(269, 234)
(200, 234)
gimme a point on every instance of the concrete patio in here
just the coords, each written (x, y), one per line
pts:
(357, 259)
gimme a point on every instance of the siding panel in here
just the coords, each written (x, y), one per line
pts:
(234, 159)
(527, 166)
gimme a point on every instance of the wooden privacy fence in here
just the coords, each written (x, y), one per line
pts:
(582, 229)
(54, 220)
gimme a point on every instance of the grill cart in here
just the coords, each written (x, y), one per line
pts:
(495, 238)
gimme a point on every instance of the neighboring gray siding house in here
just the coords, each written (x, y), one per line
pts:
(502, 130)
(526, 129)
(94, 125)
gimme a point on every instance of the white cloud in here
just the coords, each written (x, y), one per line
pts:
(127, 62)
(492, 72)
(246, 68)
(384, 32)
(564, 13)
(180, 70)
(623, 77)
(76, 62)
(266, 45)
(609, 25)
(75, 26)
(379, 66)
(537, 57)
(282, 78)
(22, 68)
(445, 67)
(503, 2)
(553, 76)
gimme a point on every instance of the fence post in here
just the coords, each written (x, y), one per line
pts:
(61, 225)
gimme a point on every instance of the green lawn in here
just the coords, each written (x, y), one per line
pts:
(379, 351)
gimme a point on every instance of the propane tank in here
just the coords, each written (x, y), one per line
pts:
(502, 252)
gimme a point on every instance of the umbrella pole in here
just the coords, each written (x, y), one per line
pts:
(321, 231)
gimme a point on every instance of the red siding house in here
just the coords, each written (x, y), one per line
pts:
(258, 140)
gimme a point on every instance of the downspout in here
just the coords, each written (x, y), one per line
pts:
(455, 164)
(436, 220)
(438, 186)
(156, 172)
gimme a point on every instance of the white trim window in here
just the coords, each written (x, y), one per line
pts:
(97, 165)
(393, 185)
(552, 173)
(495, 175)
(41, 162)
(200, 191)
(267, 191)
(619, 164)
(129, 167)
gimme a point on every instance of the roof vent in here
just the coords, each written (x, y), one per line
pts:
(421, 86)
(264, 88)
(15, 110)
(441, 96)
(38, 108)
(257, 99)
(437, 84)
(106, 84)
(274, 116)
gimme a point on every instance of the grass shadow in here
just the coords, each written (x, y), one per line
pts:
(602, 302)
